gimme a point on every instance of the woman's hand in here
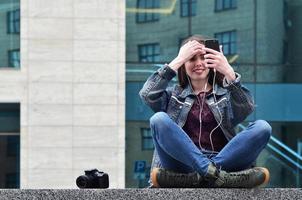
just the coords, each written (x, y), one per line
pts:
(218, 61)
(186, 52)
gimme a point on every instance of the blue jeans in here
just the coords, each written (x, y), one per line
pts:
(177, 151)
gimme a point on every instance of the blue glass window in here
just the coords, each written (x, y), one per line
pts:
(13, 21)
(142, 17)
(225, 4)
(149, 52)
(14, 58)
(147, 141)
(228, 40)
(187, 10)
(10, 33)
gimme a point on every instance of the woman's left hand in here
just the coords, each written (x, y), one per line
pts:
(218, 61)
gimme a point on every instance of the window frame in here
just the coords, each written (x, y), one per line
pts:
(145, 138)
(193, 5)
(13, 21)
(153, 55)
(232, 6)
(154, 16)
(11, 58)
(229, 43)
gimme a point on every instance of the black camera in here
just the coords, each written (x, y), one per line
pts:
(93, 179)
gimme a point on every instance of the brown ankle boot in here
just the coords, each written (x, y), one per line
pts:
(163, 178)
(248, 178)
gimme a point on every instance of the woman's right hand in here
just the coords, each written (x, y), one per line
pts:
(186, 52)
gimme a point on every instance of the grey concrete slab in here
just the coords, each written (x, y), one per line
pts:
(129, 194)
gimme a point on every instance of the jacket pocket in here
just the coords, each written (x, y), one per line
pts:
(221, 107)
(174, 107)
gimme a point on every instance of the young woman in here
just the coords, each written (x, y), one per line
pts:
(193, 125)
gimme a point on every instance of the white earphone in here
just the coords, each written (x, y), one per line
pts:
(201, 109)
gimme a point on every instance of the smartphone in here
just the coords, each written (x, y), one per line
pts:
(212, 44)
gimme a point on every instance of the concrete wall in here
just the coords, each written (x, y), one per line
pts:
(71, 88)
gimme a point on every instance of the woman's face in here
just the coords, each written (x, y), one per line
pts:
(196, 69)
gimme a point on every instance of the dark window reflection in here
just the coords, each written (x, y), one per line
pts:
(12, 146)
(9, 145)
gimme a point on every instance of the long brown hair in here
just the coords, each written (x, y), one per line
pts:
(182, 75)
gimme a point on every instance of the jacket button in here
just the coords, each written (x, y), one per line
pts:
(180, 106)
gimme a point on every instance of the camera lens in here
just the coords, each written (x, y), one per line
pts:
(82, 181)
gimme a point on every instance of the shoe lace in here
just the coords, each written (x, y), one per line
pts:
(236, 179)
(245, 179)
(220, 178)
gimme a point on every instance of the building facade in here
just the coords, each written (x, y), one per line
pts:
(259, 39)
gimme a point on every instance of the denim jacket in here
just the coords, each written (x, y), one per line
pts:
(234, 101)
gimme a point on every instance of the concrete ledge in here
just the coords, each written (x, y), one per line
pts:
(127, 194)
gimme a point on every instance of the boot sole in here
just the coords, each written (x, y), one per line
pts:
(267, 176)
(153, 175)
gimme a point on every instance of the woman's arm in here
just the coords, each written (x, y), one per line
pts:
(241, 100)
(154, 92)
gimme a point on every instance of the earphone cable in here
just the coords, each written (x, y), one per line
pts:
(215, 100)
(200, 109)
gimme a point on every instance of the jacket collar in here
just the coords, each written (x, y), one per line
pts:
(188, 91)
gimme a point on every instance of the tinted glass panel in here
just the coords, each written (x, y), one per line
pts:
(10, 33)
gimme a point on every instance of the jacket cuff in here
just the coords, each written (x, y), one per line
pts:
(167, 72)
(232, 84)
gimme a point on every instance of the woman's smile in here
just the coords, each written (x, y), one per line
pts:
(199, 70)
